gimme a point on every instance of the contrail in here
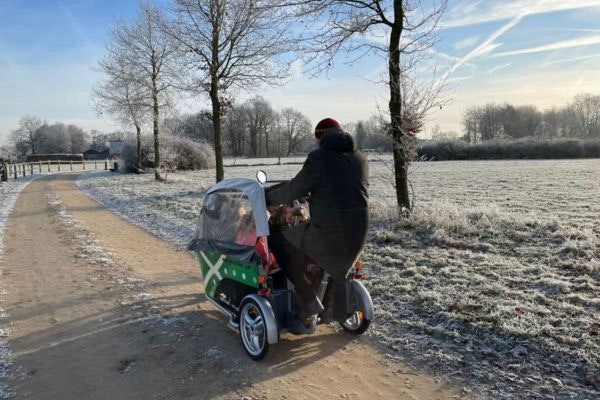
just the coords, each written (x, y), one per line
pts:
(487, 45)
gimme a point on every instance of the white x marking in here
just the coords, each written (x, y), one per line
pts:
(213, 269)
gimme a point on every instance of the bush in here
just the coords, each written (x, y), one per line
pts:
(180, 153)
(176, 153)
(129, 155)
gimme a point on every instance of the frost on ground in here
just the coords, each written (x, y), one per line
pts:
(494, 278)
(93, 252)
(9, 191)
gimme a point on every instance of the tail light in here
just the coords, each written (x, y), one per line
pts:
(358, 270)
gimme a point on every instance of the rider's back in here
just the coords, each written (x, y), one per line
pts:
(336, 177)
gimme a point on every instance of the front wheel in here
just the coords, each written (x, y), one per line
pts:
(358, 322)
(253, 330)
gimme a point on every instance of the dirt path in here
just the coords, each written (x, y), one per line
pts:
(99, 309)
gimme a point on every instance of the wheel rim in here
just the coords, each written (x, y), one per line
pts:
(252, 329)
(354, 321)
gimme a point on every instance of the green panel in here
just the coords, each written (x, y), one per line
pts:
(246, 273)
(231, 268)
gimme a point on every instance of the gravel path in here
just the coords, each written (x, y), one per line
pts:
(101, 309)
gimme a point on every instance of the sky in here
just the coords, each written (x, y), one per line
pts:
(540, 52)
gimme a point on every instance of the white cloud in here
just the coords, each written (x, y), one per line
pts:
(571, 59)
(456, 79)
(469, 12)
(466, 43)
(564, 44)
(497, 68)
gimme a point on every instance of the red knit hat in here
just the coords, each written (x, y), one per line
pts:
(324, 125)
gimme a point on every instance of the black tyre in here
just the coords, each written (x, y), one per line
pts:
(357, 323)
(253, 330)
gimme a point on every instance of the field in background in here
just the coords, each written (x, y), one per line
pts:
(494, 279)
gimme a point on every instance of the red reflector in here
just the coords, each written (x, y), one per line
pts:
(264, 292)
(358, 265)
(357, 276)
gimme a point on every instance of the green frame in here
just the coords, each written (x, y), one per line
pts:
(216, 267)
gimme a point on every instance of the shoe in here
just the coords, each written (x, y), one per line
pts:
(302, 326)
(313, 308)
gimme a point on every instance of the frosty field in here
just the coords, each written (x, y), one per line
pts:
(494, 279)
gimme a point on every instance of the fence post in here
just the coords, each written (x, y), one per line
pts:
(95, 164)
(4, 176)
(105, 165)
(71, 162)
(48, 165)
(83, 164)
(24, 169)
(15, 170)
(58, 165)
(31, 166)
(40, 166)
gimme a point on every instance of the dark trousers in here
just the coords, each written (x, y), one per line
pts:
(293, 262)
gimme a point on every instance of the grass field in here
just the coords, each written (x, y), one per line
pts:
(494, 279)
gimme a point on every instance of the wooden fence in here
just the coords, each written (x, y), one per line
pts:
(39, 167)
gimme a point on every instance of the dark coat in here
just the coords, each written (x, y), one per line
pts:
(336, 178)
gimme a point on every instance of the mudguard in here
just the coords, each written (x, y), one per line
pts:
(270, 320)
(345, 293)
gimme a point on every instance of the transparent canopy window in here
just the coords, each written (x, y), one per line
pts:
(227, 217)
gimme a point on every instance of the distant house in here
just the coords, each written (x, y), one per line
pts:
(116, 147)
(92, 154)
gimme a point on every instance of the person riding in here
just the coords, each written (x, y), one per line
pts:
(335, 178)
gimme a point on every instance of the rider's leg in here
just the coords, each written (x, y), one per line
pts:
(293, 263)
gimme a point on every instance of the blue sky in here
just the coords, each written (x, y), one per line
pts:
(539, 52)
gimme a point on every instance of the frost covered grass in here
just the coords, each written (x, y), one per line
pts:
(9, 191)
(493, 279)
(494, 297)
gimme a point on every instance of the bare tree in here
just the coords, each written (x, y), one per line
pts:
(586, 108)
(390, 29)
(295, 128)
(120, 93)
(231, 44)
(142, 61)
(79, 139)
(53, 139)
(260, 124)
(24, 138)
(236, 130)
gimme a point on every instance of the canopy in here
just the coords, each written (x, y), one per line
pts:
(255, 194)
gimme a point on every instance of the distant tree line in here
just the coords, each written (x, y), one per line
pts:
(252, 129)
(580, 118)
(525, 148)
(371, 135)
(35, 136)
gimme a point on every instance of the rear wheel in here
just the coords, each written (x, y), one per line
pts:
(253, 330)
(358, 322)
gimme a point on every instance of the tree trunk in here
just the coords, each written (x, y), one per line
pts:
(32, 140)
(214, 90)
(157, 175)
(253, 141)
(216, 119)
(138, 136)
(267, 141)
(397, 129)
